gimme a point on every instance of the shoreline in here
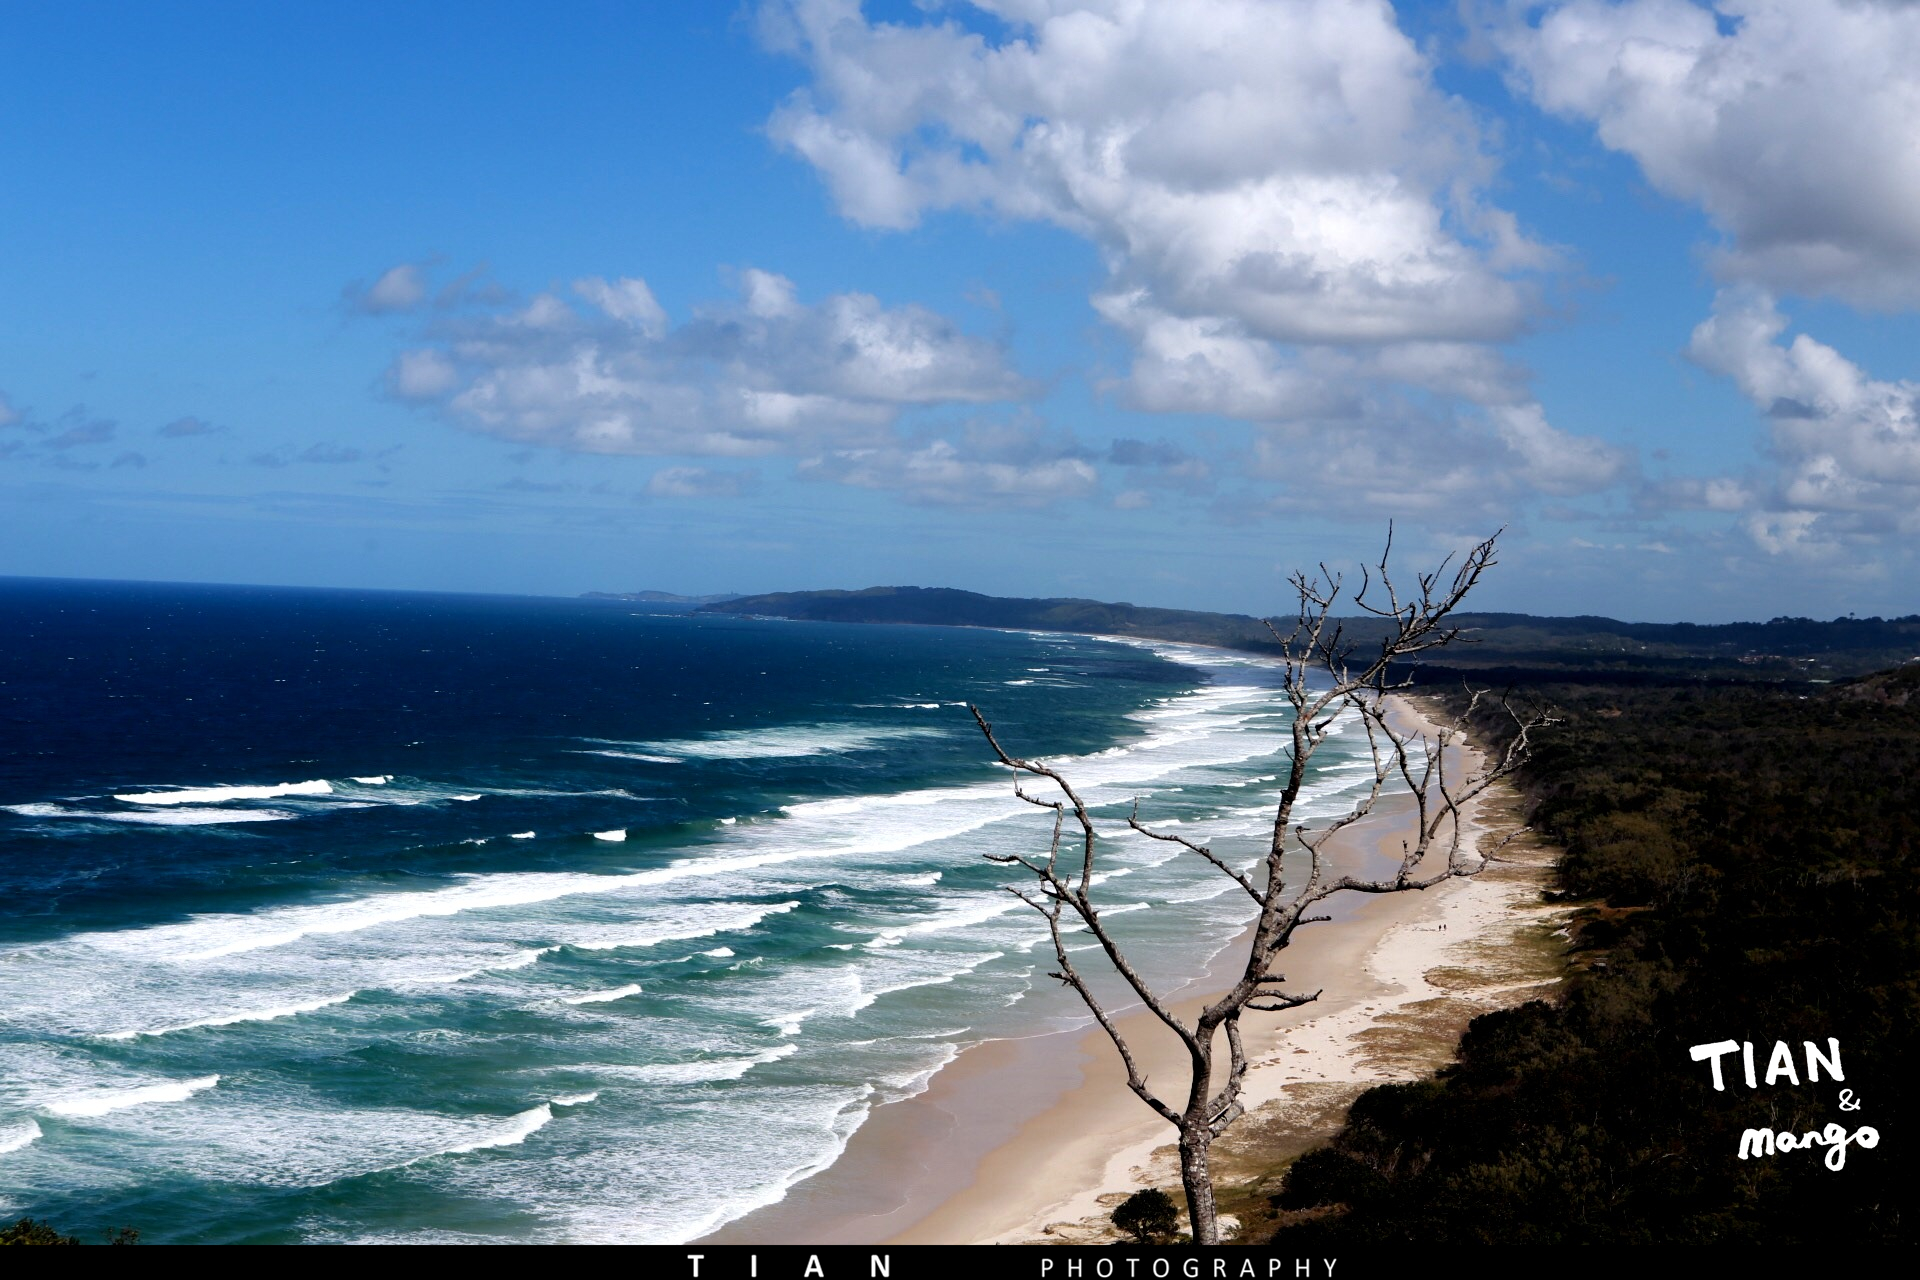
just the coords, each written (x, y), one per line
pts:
(1034, 1140)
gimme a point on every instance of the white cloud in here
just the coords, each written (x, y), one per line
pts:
(1437, 473)
(628, 300)
(1790, 122)
(401, 288)
(767, 374)
(422, 375)
(8, 414)
(989, 465)
(1290, 167)
(1847, 444)
(1290, 211)
(1553, 461)
(1212, 365)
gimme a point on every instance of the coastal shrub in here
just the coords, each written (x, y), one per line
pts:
(1745, 864)
(28, 1231)
(1147, 1215)
(1329, 1176)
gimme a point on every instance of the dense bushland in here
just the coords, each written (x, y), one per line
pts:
(1745, 861)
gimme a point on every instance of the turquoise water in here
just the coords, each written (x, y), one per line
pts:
(353, 916)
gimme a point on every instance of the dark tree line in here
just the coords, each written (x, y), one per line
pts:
(1745, 860)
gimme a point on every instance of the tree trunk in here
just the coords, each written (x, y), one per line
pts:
(1195, 1144)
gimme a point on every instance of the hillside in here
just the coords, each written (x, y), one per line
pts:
(1601, 649)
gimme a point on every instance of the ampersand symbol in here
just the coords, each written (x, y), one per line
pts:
(1847, 1101)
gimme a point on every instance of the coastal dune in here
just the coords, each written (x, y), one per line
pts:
(1035, 1140)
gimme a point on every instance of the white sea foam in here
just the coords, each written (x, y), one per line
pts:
(788, 1024)
(614, 836)
(719, 952)
(602, 997)
(229, 1019)
(99, 1102)
(940, 971)
(512, 1133)
(774, 743)
(156, 817)
(633, 755)
(743, 1158)
(974, 912)
(576, 1099)
(521, 835)
(1182, 733)
(846, 1119)
(698, 921)
(915, 1083)
(702, 1070)
(222, 795)
(518, 960)
(377, 780)
(15, 1136)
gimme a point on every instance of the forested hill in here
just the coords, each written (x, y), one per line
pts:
(944, 606)
(1783, 648)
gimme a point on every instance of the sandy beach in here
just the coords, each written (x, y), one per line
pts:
(1035, 1140)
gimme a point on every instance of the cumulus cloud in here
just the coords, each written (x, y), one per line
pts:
(1553, 461)
(763, 374)
(399, 289)
(1291, 167)
(1847, 444)
(988, 464)
(1790, 122)
(1291, 213)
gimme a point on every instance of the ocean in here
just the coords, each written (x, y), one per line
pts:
(355, 916)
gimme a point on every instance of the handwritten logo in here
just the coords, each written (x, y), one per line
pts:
(1780, 1066)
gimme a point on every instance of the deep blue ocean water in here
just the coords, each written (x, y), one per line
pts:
(359, 916)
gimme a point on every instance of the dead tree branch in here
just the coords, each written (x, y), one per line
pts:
(1325, 678)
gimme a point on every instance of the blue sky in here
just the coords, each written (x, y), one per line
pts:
(1134, 299)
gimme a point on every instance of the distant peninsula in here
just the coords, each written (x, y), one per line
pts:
(1780, 649)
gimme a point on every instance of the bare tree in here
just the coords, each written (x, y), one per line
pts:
(1323, 681)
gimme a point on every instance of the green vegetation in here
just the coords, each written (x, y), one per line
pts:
(1493, 645)
(27, 1231)
(1147, 1216)
(1746, 862)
